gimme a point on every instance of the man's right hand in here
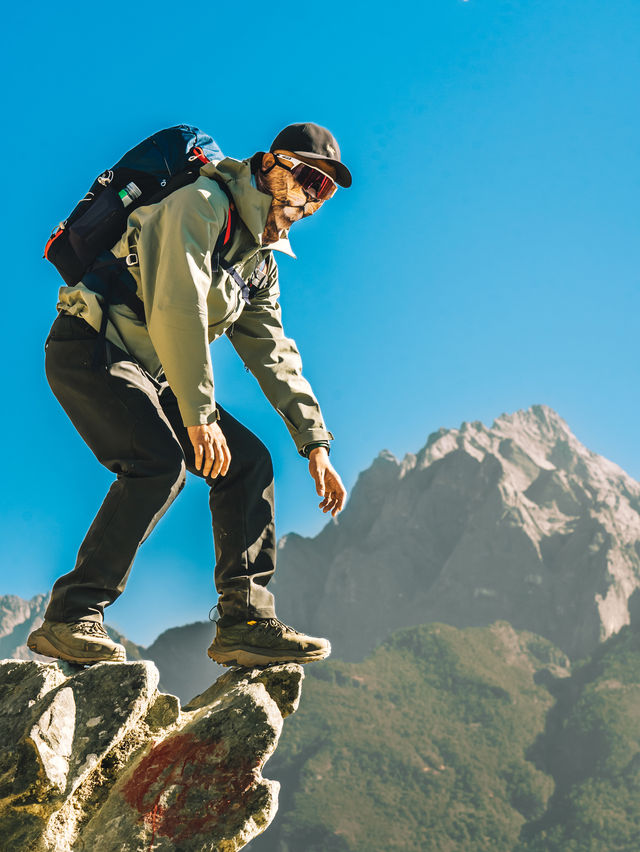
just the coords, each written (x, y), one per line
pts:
(210, 447)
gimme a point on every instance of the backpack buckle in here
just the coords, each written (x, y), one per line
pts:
(131, 259)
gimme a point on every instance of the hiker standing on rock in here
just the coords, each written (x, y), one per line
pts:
(134, 374)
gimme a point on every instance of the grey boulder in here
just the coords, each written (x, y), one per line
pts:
(97, 758)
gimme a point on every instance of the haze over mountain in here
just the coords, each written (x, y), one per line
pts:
(517, 522)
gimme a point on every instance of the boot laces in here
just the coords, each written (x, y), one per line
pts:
(280, 626)
(91, 628)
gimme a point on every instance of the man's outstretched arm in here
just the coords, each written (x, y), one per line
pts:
(273, 358)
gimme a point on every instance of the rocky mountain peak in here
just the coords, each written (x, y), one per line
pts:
(539, 421)
(538, 432)
(386, 456)
(517, 521)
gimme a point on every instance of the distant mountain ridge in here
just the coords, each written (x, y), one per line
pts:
(18, 618)
(517, 522)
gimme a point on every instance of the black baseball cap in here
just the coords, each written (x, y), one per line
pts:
(310, 141)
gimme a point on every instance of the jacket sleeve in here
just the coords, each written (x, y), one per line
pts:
(174, 245)
(273, 358)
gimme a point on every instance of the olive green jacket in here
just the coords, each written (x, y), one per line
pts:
(188, 303)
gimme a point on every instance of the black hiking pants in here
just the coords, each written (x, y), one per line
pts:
(133, 426)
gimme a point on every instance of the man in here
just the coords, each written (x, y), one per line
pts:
(150, 412)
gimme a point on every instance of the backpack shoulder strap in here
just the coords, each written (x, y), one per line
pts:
(225, 233)
(223, 239)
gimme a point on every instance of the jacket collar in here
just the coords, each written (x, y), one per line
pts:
(252, 205)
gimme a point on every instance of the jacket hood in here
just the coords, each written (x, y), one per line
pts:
(252, 205)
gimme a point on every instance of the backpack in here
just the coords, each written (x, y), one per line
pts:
(146, 174)
(80, 246)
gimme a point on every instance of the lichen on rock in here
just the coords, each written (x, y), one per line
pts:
(99, 759)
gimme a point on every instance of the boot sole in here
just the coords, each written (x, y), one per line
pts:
(248, 659)
(42, 645)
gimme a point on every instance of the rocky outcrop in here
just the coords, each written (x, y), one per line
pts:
(98, 759)
(517, 522)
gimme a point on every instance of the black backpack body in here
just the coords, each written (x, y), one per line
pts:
(147, 173)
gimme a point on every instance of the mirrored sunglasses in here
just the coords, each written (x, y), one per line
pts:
(313, 181)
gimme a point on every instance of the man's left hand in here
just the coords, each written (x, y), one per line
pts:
(328, 484)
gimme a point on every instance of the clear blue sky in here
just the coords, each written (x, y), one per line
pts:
(485, 259)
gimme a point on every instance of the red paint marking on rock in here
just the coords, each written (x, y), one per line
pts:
(163, 786)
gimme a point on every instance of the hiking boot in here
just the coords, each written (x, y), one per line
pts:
(77, 642)
(265, 641)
